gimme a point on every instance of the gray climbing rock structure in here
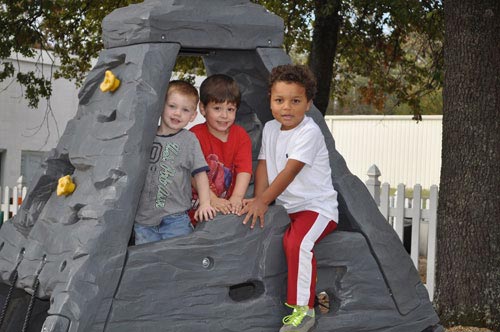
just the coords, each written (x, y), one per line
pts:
(72, 252)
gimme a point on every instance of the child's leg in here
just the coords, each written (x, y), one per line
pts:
(305, 230)
(175, 225)
(146, 234)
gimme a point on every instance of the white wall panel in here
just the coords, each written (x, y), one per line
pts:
(26, 129)
(405, 151)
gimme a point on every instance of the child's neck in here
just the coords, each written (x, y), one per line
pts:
(165, 131)
(223, 136)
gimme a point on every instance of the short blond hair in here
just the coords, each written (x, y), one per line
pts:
(184, 88)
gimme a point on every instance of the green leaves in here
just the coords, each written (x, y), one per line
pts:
(70, 29)
(395, 46)
(35, 87)
(388, 52)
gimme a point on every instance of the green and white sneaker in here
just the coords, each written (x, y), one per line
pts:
(299, 320)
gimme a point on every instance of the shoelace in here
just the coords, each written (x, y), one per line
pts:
(296, 317)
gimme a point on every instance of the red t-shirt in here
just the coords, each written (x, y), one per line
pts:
(225, 159)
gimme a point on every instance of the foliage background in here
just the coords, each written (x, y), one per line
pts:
(385, 55)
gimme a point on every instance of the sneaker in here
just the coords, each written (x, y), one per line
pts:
(298, 321)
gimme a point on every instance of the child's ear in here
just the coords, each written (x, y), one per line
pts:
(202, 109)
(309, 105)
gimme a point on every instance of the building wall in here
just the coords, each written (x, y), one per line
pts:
(404, 150)
(26, 129)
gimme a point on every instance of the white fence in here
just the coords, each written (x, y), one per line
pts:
(399, 210)
(415, 212)
(10, 201)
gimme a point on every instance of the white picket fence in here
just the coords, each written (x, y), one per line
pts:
(420, 214)
(11, 199)
(400, 212)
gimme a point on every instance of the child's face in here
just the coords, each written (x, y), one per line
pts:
(220, 117)
(289, 104)
(178, 111)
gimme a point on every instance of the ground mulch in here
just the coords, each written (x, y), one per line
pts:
(324, 304)
(467, 329)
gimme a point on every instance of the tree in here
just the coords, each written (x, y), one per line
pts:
(396, 45)
(342, 40)
(468, 253)
(71, 29)
(324, 47)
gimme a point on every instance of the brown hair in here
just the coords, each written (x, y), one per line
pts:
(220, 88)
(182, 87)
(294, 74)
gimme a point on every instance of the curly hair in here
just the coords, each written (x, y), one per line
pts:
(294, 74)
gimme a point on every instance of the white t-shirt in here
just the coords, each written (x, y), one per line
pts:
(312, 188)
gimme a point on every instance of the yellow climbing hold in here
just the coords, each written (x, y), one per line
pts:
(65, 186)
(110, 83)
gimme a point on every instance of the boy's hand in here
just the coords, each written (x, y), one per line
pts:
(236, 204)
(205, 212)
(255, 209)
(221, 205)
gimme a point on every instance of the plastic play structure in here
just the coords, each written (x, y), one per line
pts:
(65, 259)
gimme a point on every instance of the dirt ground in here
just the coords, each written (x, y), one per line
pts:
(324, 303)
(467, 329)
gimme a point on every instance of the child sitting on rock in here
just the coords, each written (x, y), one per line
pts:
(175, 157)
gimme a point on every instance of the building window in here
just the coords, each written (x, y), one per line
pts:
(31, 163)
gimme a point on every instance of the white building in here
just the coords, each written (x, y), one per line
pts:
(25, 133)
(404, 150)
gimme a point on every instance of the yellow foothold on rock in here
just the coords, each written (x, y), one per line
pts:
(65, 186)
(110, 83)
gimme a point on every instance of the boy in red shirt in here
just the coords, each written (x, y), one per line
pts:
(226, 146)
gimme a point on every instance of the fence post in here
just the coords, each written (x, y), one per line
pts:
(15, 201)
(384, 201)
(399, 215)
(373, 183)
(415, 223)
(19, 183)
(6, 204)
(431, 251)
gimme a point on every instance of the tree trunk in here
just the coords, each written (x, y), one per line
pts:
(324, 47)
(468, 252)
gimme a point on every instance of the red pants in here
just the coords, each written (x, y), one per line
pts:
(306, 229)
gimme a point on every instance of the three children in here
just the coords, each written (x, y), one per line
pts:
(294, 170)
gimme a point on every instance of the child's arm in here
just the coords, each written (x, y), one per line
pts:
(239, 191)
(261, 182)
(261, 179)
(257, 207)
(205, 211)
(243, 166)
